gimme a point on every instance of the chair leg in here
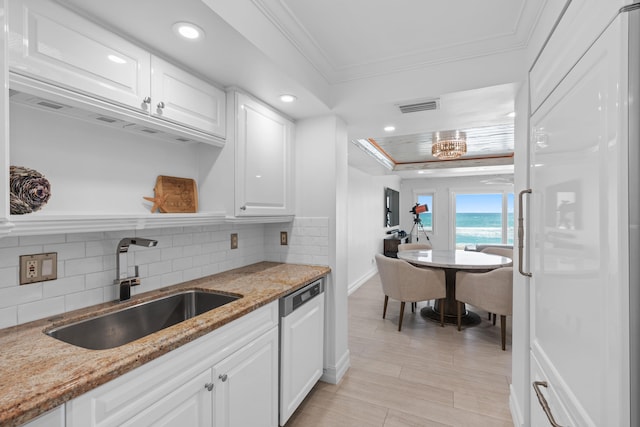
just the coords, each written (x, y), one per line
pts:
(384, 310)
(413, 307)
(503, 331)
(401, 315)
(489, 315)
(459, 313)
(442, 302)
(494, 319)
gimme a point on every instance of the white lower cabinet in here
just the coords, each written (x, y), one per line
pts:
(226, 378)
(53, 418)
(246, 388)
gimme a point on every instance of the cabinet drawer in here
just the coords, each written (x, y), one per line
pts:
(52, 44)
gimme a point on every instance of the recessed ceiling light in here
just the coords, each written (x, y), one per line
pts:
(287, 98)
(188, 30)
(389, 128)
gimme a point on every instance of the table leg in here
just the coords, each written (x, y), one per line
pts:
(469, 318)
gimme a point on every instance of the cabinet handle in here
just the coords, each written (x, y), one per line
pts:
(223, 377)
(209, 386)
(243, 208)
(147, 100)
(543, 402)
(521, 232)
(160, 105)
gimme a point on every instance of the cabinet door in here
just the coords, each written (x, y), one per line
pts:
(264, 181)
(580, 237)
(190, 405)
(246, 391)
(50, 43)
(301, 358)
(182, 98)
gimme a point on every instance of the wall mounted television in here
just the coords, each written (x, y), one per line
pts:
(391, 208)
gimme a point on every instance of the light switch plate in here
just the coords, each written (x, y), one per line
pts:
(234, 240)
(284, 240)
(38, 267)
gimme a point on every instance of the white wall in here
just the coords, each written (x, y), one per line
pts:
(366, 225)
(321, 191)
(443, 235)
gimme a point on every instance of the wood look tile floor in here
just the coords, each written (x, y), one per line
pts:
(424, 375)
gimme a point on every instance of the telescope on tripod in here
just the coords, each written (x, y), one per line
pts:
(417, 221)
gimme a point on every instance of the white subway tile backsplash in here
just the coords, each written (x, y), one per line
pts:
(67, 250)
(83, 299)
(100, 279)
(67, 285)
(40, 309)
(42, 240)
(7, 242)
(8, 316)
(181, 264)
(86, 261)
(8, 276)
(84, 266)
(171, 253)
(16, 295)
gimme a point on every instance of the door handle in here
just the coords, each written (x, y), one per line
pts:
(543, 402)
(521, 232)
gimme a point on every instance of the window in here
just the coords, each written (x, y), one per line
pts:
(483, 218)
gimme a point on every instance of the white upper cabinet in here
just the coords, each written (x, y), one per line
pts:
(183, 98)
(264, 152)
(54, 45)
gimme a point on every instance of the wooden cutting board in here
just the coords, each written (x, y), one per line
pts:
(174, 195)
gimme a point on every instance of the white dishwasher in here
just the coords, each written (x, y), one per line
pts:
(301, 345)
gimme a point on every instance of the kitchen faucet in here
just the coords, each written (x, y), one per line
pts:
(125, 283)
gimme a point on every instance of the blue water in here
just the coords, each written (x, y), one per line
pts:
(477, 228)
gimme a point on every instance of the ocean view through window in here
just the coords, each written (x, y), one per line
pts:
(483, 218)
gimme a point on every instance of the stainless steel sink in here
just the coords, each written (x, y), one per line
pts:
(120, 327)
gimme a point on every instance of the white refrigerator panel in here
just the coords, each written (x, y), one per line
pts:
(579, 228)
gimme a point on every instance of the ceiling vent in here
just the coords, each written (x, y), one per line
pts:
(428, 105)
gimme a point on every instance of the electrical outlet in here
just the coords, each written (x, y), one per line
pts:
(38, 267)
(234, 240)
(284, 241)
(32, 269)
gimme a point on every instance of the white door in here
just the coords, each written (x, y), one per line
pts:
(263, 160)
(246, 385)
(301, 354)
(52, 44)
(579, 244)
(182, 98)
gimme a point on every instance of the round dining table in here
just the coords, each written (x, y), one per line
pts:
(452, 261)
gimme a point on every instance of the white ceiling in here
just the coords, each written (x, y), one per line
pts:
(358, 59)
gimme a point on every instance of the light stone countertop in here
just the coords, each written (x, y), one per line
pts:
(39, 373)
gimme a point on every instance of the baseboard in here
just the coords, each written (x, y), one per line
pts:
(334, 374)
(516, 412)
(361, 281)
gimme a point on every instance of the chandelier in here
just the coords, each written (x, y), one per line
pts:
(448, 145)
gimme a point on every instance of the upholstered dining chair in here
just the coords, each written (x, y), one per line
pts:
(496, 250)
(405, 282)
(491, 291)
(413, 246)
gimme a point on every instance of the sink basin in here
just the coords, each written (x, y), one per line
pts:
(120, 327)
